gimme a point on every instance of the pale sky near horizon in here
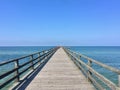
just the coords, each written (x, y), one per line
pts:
(60, 22)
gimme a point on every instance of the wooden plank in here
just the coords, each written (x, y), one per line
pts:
(60, 73)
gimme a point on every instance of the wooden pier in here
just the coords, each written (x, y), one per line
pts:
(60, 73)
(57, 68)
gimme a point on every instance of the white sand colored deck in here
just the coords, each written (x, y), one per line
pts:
(60, 73)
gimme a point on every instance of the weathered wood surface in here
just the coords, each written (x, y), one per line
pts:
(60, 73)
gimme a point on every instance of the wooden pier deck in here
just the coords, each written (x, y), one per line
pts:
(60, 73)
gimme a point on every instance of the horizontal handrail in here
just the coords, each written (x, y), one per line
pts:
(12, 60)
(90, 70)
(98, 63)
(42, 57)
(9, 61)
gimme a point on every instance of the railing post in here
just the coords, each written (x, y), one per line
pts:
(39, 58)
(72, 58)
(79, 59)
(119, 80)
(16, 65)
(89, 72)
(32, 66)
(44, 53)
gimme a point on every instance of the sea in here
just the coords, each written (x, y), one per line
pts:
(11, 52)
(109, 55)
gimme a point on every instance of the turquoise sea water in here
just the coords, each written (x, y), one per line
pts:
(109, 55)
(7, 53)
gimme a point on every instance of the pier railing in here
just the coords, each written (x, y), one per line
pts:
(89, 71)
(20, 70)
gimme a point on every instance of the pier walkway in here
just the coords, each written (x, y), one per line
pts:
(60, 73)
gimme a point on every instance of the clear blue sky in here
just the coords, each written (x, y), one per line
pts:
(60, 22)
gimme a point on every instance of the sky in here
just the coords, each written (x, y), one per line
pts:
(60, 22)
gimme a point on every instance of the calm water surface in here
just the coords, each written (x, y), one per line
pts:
(7, 53)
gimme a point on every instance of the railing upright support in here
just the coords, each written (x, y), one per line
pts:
(16, 65)
(32, 66)
(89, 72)
(119, 80)
(46, 56)
(39, 58)
(79, 59)
(44, 53)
